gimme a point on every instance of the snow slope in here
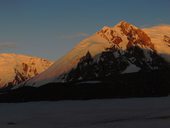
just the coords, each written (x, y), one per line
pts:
(122, 35)
(131, 68)
(158, 35)
(70, 60)
(113, 113)
(15, 68)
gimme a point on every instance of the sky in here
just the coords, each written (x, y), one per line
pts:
(51, 28)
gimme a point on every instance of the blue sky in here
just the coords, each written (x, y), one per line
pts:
(51, 28)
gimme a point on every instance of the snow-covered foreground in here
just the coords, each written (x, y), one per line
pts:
(113, 113)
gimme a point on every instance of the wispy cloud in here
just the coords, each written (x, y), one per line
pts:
(145, 26)
(7, 45)
(74, 36)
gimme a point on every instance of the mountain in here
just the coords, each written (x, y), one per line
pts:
(17, 68)
(121, 49)
(160, 37)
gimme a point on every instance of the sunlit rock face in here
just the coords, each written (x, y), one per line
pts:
(135, 35)
(15, 69)
(125, 35)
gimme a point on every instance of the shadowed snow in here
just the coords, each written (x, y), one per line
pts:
(114, 113)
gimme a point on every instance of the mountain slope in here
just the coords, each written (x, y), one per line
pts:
(124, 47)
(160, 36)
(110, 64)
(18, 68)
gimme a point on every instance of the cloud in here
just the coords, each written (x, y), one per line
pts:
(74, 36)
(7, 45)
(155, 26)
(145, 26)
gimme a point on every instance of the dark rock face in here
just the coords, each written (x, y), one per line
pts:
(114, 61)
(167, 40)
(18, 79)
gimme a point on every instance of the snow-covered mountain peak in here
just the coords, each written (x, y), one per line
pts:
(125, 35)
(105, 28)
(126, 25)
(119, 49)
(16, 68)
